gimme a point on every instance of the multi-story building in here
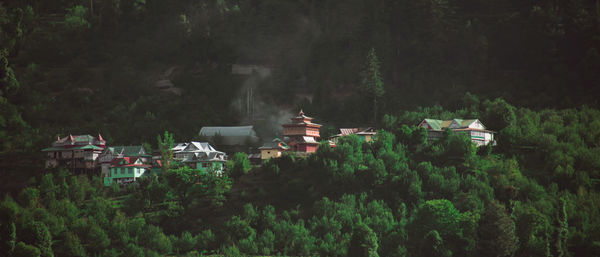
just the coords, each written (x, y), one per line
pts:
(200, 156)
(125, 170)
(302, 134)
(112, 152)
(471, 127)
(77, 153)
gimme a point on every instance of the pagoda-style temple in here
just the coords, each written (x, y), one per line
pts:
(302, 134)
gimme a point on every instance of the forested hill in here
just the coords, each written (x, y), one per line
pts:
(132, 69)
(535, 194)
(91, 66)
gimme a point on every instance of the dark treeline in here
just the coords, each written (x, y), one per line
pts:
(75, 66)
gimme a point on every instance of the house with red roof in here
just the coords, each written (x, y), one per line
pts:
(125, 170)
(77, 153)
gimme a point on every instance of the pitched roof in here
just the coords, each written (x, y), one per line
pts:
(127, 162)
(442, 124)
(130, 150)
(232, 135)
(359, 131)
(435, 124)
(85, 147)
(275, 144)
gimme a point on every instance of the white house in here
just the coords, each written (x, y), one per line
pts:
(471, 127)
(200, 155)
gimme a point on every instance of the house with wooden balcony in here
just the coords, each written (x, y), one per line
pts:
(77, 153)
(473, 128)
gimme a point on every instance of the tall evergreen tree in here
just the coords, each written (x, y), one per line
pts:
(363, 242)
(496, 232)
(372, 81)
(164, 146)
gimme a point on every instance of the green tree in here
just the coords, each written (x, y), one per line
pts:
(185, 243)
(238, 165)
(96, 239)
(69, 245)
(363, 242)
(372, 81)
(433, 246)
(75, 19)
(25, 250)
(165, 146)
(37, 234)
(12, 125)
(496, 232)
(8, 235)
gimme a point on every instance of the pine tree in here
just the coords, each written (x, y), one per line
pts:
(164, 146)
(363, 242)
(372, 82)
(496, 232)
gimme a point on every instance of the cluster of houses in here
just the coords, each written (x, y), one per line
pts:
(124, 164)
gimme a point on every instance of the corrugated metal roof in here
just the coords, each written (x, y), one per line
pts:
(86, 147)
(442, 124)
(232, 135)
(130, 150)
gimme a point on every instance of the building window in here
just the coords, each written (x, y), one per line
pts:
(129, 171)
(204, 165)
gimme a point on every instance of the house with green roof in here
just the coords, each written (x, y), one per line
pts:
(112, 152)
(473, 128)
(77, 153)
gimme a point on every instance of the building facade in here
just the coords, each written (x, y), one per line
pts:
(302, 134)
(112, 152)
(125, 170)
(274, 149)
(200, 156)
(77, 153)
(471, 127)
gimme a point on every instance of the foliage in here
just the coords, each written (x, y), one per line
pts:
(165, 146)
(75, 19)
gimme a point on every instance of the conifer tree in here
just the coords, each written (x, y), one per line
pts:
(372, 82)
(164, 146)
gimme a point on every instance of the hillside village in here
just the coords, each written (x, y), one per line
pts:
(124, 164)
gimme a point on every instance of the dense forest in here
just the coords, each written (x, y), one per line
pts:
(527, 69)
